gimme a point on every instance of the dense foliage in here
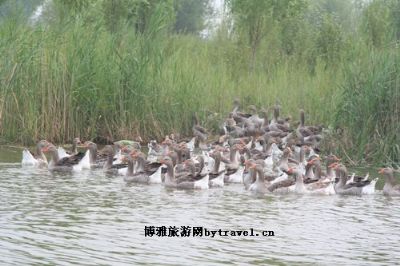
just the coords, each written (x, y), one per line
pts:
(122, 68)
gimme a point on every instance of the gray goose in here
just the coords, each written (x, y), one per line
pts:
(171, 182)
(63, 164)
(390, 188)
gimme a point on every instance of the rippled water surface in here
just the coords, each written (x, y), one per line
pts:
(88, 218)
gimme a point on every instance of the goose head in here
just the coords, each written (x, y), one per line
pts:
(49, 148)
(388, 172)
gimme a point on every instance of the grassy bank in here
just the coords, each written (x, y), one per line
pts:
(79, 79)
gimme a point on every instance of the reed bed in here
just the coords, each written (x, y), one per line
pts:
(78, 79)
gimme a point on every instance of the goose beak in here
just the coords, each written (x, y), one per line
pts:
(333, 165)
(337, 159)
(311, 162)
(381, 170)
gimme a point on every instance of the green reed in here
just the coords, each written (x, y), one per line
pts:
(78, 79)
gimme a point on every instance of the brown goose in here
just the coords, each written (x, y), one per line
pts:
(390, 188)
(342, 188)
(145, 172)
(192, 174)
(249, 175)
(170, 180)
(75, 143)
(237, 115)
(234, 170)
(64, 164)
(109, 167)
(97, 159)
(260, 185)
(330, 159)
(302, 130)
(216, 176)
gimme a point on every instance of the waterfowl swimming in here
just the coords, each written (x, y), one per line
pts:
(110, 167)
(97, 159)
(282, 186)
(331, 159)
(357, 189)
(200, 133)
(390, 188)
(216, 175)
(260, 185)
(309, 172)
(250, 174)
(74, 150)
(145, 172)
(73, 162)
(170, 180)
(301, 188)
(192, 173)
(320, 184)
(261, 155)
(234, 170)
(38, 159)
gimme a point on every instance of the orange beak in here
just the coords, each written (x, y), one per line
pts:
(311, 162)
(333, 165)
(381, 170)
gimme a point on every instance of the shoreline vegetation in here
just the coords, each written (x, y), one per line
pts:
(120, 69)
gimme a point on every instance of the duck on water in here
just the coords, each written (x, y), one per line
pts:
(262, 155)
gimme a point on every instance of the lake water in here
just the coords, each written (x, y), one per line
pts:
(88, 218)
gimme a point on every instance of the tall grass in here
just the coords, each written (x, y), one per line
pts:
(369, 106)
(84, 81)
(78, 79)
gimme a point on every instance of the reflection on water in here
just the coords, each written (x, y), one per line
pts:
(90, 219)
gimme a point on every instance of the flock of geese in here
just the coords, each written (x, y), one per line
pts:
(264, 155)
